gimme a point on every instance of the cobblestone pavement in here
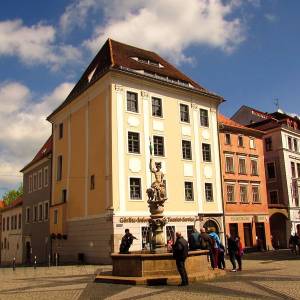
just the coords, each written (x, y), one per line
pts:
(269, 275)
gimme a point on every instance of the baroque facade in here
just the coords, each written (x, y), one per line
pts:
(36, 206)
(11, 237)
(282, 163)
(127, 99)
(244, 184)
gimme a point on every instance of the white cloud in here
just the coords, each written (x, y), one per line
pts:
(23, 126)
(271, 18)
(35, 44)
(168, 27)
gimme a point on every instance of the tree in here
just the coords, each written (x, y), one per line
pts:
(12, 195)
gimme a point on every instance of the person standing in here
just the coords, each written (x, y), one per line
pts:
(207, 243)
(232, 250)
(221, 258)
(180, 253)
(215, 248)
(126, 242)
(239, 253)
(194, 240)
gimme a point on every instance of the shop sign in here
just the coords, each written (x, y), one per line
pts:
(237, 219)
(146, 219)
(261, 218)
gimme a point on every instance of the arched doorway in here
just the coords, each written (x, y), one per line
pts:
(278, 230)
(210, 224)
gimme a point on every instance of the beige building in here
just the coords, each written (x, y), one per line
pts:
(126, 98)
(11, 237)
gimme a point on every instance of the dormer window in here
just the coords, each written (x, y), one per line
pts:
(148, 62)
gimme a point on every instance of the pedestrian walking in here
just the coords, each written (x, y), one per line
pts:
(221, 258)
(239, 253)
(232, 250)
(215, 247)
(180, 253)
(126, 242)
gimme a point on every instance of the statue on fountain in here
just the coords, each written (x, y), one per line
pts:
(157, 192)
(156, 198)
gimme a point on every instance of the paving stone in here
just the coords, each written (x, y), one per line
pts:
(268, 276)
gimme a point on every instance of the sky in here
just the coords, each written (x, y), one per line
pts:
(244, 50)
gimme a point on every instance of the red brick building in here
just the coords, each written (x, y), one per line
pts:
(244, 184)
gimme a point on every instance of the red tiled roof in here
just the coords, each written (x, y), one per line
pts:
(15, 203)
(1, 204)
(121, 57)
(230, 123)
(43, 152)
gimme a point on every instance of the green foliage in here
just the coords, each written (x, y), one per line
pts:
(11, 195)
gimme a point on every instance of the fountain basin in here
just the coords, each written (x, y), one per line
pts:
(145, 267)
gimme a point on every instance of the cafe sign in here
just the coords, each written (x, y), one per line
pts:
(146, 219)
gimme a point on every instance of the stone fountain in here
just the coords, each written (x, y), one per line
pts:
(156, 199)
(157, 266)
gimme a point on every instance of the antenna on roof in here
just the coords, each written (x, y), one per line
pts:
(276, 102)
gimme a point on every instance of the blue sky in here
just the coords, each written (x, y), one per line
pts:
(245, 50)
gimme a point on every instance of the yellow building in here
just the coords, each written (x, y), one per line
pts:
(101, 132)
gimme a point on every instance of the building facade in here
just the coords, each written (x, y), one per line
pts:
(282, 163)
(11, 237)
(244, 184)
(127, 98)
(36, 206)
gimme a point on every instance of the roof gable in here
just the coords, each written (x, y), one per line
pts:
(118, 56)
(43, 152)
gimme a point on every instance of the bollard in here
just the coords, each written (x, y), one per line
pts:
(56, 259)
(34, 263)
(14, 264)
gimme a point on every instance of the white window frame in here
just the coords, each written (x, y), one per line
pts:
(35, 214)
(30, 184)
(257, 166)
(244, 158)
(55, 216)
(40, 179)
(193, 190)
(232, 184)
(252, 140)
(129, 196)
(258, 192)
(40, 211)
(35, 175)
(27, 215)
(139, 108)
(247, 192)
(46, 178)
(233, 164)
(212, 191)
(46, 203)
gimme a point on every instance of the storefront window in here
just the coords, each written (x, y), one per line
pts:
(145, 237)
(248, 234)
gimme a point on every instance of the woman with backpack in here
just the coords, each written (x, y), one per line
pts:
(215, 246)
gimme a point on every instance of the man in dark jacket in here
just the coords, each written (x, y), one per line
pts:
(194, 240)
(180, 253)
(232, 250)
(207, 243)
(126, 242)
